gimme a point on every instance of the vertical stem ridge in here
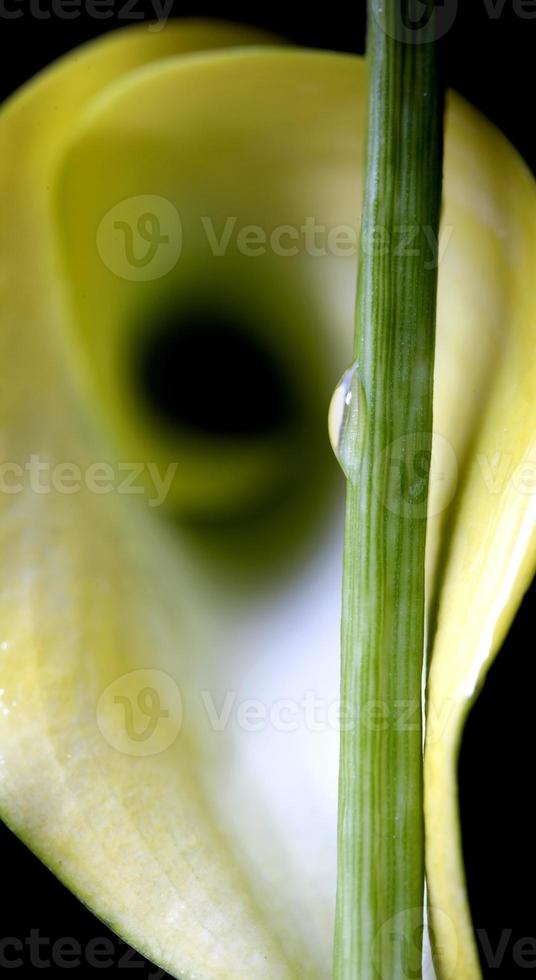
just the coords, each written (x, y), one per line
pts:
(381, 860)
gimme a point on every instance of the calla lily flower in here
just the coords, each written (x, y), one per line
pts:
(169, 658)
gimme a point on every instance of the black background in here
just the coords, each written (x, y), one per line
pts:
(486, 56)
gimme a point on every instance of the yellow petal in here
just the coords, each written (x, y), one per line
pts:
(215, 854)
(483, 546)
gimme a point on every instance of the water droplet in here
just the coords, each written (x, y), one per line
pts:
(346, 421)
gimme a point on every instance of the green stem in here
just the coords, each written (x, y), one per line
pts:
(381, 860)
